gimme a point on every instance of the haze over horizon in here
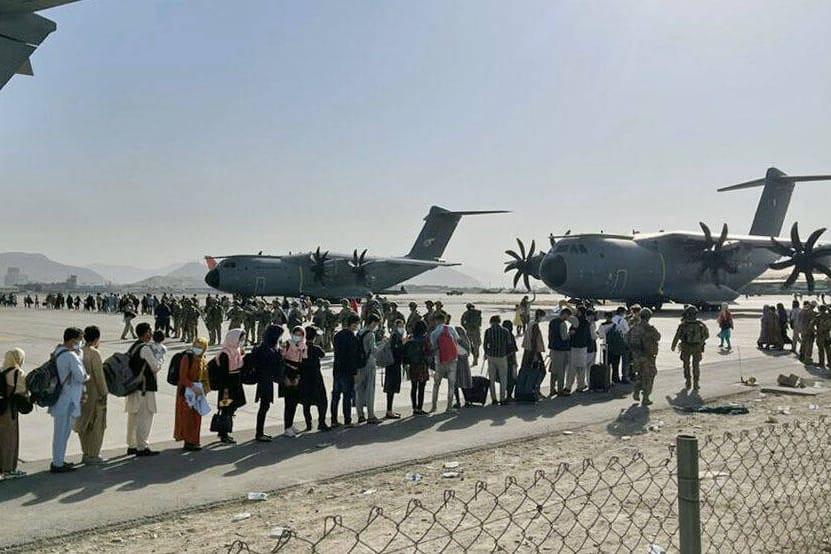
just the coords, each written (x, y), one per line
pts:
(156, 132)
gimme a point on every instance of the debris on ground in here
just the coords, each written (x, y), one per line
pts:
(792, 380)
(278, 532)
(729, 409)
(450, 474)
(413, 476)
(451, 465)
(242, 516)
(259, 496)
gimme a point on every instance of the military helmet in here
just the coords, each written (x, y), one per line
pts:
(344, 302)
(690, 312)
(646, 314)
(470, 306)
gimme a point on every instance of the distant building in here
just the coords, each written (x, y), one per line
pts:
(72, 282)
(14, 277)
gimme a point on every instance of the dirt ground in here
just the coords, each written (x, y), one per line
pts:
(641, 441)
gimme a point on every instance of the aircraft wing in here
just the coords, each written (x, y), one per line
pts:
(692, 239)
(414, 262)
(21, 32)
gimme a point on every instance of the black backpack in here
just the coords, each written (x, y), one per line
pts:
(214, 374)
(44, 384)
(248, 372)
(173, 368)
(414, 352)
(363, 357)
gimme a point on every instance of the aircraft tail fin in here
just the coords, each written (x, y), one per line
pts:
(438, 228)
(776, 197)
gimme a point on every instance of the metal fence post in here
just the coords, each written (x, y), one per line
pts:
(689, 507)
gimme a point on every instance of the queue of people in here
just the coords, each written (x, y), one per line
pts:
(371, 338)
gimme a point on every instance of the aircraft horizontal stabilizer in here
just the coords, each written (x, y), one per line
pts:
(783, 178)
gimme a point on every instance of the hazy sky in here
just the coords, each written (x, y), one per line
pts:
(160, 131)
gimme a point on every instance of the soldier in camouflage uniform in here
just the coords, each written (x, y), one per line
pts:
(440, 314)
(392, 316)
(295, 316)
(472, 324)
(428, 315)
(371, 306)
(250, 321)
(806, 319)
(330, 326)
(264, 316)
(345, 313)
(236, 316)
(176, 315)
(644, 339)
(692, 334)
(822, 330)
(213, 320)
(413, 318)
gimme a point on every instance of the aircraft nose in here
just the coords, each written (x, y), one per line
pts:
(554, 271)
(212, 278)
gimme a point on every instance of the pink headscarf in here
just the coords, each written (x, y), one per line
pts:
(231, 348)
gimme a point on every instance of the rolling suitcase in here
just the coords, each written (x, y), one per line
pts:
(478, 393)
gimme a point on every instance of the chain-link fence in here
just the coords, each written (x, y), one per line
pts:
(762, 491)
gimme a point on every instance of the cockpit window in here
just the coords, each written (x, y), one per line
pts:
(583, 249)
(230, 265)
(562, 248)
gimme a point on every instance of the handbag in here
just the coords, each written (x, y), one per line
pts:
(222, 423)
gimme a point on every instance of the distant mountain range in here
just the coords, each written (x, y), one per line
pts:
(445, 277)
(39, 269)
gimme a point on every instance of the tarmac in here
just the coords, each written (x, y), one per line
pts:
(127, 488)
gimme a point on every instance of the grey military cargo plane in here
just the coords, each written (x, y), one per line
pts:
(21, 32)
(335, 276)
(680, 266)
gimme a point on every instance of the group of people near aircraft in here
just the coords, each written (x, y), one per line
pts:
(287, 346)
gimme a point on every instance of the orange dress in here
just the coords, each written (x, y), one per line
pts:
(188, 422)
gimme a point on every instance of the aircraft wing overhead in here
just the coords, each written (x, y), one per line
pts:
(21, 32)
(688, 238)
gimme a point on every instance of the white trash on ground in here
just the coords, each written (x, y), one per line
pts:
(413, 476)
(242, 516)
(257, 496)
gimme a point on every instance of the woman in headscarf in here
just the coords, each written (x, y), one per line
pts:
(312, 388)
(12, 378)
(231, 394)
(392, 373)
(269, 368)
(770, 336)
(725, 324)
(188, 421)
(418, 360)
(464, 380)
(294, 354)
(783, 317)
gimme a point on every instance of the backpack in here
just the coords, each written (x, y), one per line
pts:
(214, 374)
(248, 371)
(615, 340)
(448, 349)
(384, 356)
(414, 352)
(44, 384)
(692, 334)
(363, 356)
(123, 372)
(173, 368)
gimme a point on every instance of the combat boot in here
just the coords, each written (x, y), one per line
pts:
(646, 401)
(636, 395)
(687, 383)
(695, 385)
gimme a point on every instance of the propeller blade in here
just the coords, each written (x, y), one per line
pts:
(812, 240)
(780, 248)
(792, 279)
(521, 248)
(809, 276)
(723, 238)
(533, 249)
(782, 265)
(708, 236)
(796, 244)
(823, 269)
(514, 255)
(516, 278)
(363, 255)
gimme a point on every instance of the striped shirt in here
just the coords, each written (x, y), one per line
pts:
(496, 342)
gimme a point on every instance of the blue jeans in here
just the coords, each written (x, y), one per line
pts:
(343, 385)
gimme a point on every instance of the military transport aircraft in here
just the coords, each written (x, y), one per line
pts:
(21, 32)
(680, 266)
(335, 276)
